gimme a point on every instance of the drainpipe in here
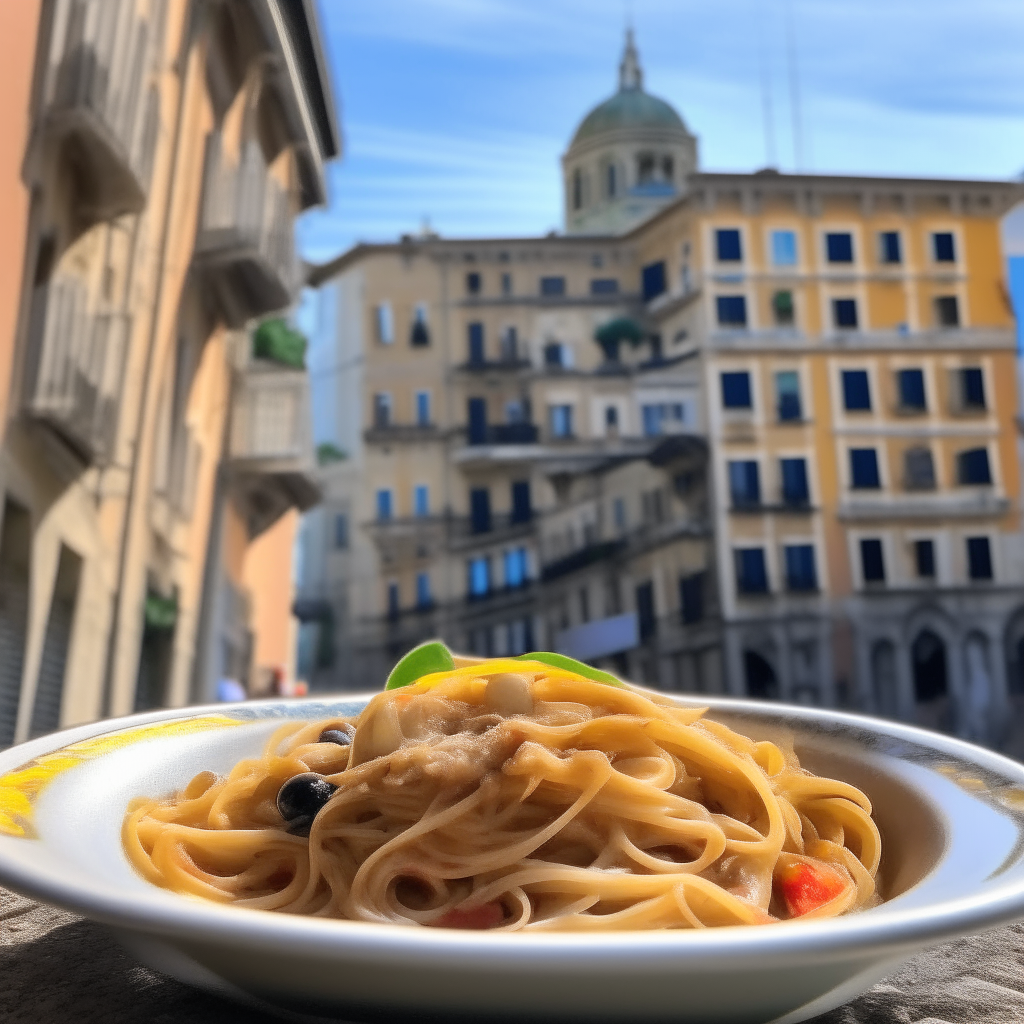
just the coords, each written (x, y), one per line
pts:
(190, 32)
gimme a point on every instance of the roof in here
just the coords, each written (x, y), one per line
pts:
(628, 108)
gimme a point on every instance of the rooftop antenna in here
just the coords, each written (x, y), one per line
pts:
(767, 106)
(794, 88)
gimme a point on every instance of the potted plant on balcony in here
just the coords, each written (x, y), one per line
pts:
(277, 341)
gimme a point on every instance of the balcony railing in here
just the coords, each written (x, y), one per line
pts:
(270, 429)
(504, 433)
(74, 368)
(95, 89)
(245, 234)
(271, 449)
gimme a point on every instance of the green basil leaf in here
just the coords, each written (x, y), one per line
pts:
(432, 656)
(571, 665)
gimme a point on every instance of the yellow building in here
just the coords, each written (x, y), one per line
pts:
(831, 357)
(170, 146)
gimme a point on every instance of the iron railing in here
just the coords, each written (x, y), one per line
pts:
(75, 367)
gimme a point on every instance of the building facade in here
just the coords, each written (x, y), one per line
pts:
(758, 438)
(170, 146)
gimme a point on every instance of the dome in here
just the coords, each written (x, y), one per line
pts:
(628, 108)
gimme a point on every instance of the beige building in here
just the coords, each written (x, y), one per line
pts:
(170, 146)
(758, 438)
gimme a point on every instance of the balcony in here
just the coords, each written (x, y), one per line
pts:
(245, 240)
(74, 367)
(97, 107)
(271, 453)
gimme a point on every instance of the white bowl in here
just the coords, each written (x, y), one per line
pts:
(951, 817)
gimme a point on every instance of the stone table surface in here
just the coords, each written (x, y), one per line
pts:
(56, 967)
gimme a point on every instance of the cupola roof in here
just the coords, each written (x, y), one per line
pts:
(630, 107)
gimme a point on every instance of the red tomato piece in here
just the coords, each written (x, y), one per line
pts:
(486, 915)
(806, 887)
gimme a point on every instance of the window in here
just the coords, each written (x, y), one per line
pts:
(385, 324)
(801, 572)
(510, 344)
(889, 247)
(728, 248)
(648, 622)
(979, 558)
(394, 600)
(839, 247)
(856, 391)
(782, 308)
(732, 310)
(421, 500)
(864, 469)
(794, 481)
(480, 509)
(972, 388)
(844, 314)
(419, 336)
(744, 484)
(479, 572)
(610, 180)
(872, 561)
(918, 469)
(604, 286)
(787, 391)
(560, 420)
(660, 417)
(522, 511)
(653, 280)
(911, 388)
(924, 558)
(691, 597)
(577, 189)
(972, 467)
(736, 390)
(751, 572)
(384, 504)
(506, 284)
(423, 598)
(784, 248)
(552, 286)
(475, 336)
(943, 247)
(947, 311)
(341, 530)
(611, 418)
(645, 168)
(382, 409)
(619, 514)
(423, 408)
(516, 568)
(557, 354)
(477, 415)
(473, 283)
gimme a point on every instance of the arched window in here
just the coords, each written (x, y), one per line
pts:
(978, 706)
(610, 182)
(668, 168)
(760, 677)
(883, 678)
(645, 168)
(577, 189)
(928, 654)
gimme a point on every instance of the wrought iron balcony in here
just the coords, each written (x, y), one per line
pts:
(74, 368)
(245, 238)
(96, 104)
(271, 449)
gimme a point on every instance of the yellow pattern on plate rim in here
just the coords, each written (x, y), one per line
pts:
(19, 789)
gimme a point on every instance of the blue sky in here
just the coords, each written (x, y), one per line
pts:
(458, 110)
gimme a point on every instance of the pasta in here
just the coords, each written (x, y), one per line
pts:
(516, 794)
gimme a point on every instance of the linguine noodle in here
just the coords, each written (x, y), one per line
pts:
(514, 795)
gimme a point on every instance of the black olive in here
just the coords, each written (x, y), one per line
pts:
(335, 736)
(301, 798)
